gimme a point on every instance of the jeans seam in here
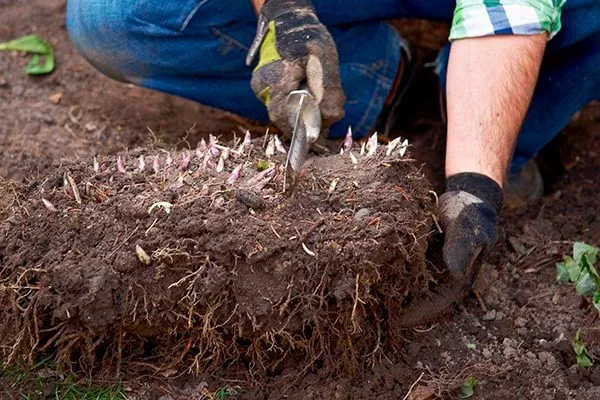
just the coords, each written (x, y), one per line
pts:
(222, 35)
(191, 15)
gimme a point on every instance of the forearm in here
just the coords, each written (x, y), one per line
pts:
(257, 4)
(490, 83)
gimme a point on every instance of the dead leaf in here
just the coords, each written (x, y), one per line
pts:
(56, 97)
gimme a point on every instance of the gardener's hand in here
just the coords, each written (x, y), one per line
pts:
(469, 211)
(295, 49)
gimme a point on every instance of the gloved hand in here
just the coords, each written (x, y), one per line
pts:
(295, 48)
(469, 212)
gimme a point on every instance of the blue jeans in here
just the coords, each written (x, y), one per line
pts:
(196, 49)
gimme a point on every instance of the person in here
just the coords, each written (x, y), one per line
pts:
(514, 73)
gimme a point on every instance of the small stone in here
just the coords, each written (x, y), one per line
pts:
(510, 348)
(487, 353)
(548, 360)
(520, 322)
(362, 214)
(510, 352)
(522, 331)
(421, 392)
(490, 315)
(499, 315)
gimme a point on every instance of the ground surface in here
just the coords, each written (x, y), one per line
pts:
(514, 337)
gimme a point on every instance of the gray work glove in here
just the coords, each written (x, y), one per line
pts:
(295, 49)
(469, 211)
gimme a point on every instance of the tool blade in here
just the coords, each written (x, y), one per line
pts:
(305, 117)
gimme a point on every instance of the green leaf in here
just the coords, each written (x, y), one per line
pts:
(586, 265)
(471, 346)
(29, 44)
(562, 275)
(42, 61)
(581, 355)
(596, 300)
(585, 285)
(573, 269)
(262, 165)
(584, 361)
(468, 388)
(580, 248)
(40, 65)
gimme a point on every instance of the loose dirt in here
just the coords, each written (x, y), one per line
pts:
(513, 335)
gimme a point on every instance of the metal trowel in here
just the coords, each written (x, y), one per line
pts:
(305, 118)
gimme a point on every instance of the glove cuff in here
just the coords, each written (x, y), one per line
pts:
(478, 185)
(276, 8)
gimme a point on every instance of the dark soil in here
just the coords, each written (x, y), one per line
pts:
(513, 335)
(97, 270)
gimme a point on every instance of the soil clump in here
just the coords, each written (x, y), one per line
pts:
(159, 261)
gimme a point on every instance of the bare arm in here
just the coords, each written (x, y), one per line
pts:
(257, 4)
(490, 84)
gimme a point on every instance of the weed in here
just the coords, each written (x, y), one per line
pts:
(42, 59)
(580, 271)
(581, 355)
(226, 392)
(467, 389)
(43, 380)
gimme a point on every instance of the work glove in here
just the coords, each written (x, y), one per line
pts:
(296, 51)
(469, 212)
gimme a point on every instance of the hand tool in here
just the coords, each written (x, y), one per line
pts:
(305, 117)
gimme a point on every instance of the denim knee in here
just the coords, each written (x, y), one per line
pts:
(95, 33)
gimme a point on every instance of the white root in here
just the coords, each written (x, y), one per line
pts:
(372, 145)
(96, 165)
(169, 161)
(225, 153)
(74, 188)
(308, 251)
(247, 140)
(142, 255)
(156, 165)
(270, 151)
(353, 158)
(49, 206)
(202, 146)
(333, 185)
(208, 161)
(279, 145)
(212, 145)
(185, 161)
(392, 146)
(260, 180)
(120, 166)
(160, 204)
(141, 164)
(362, 148)
(235, 175)
(348, 140)
(221, 164)
(403, 148)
